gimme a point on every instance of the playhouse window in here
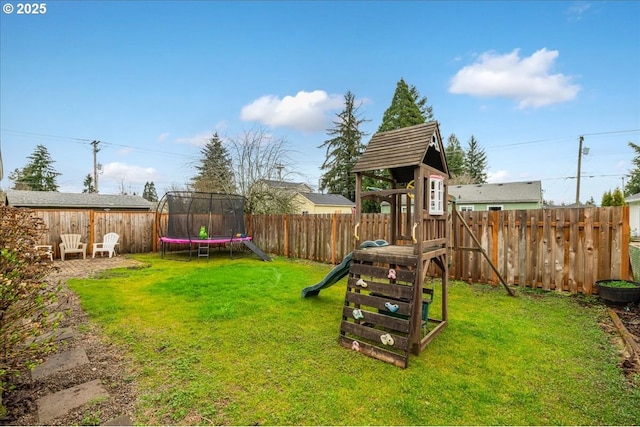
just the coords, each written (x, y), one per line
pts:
(436, 195)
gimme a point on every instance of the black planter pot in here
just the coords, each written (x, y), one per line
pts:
(615, 295)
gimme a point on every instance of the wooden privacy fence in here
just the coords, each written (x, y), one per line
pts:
(555, 249)
(137, 230)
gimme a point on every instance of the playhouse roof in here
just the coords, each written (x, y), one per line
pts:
(409, 146)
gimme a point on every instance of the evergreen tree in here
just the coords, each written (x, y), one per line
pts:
(475, 162)
(617, 198)
(407, 109)
(342, 151)
(38, 174)
(613, 198)
(215, 172)
(421, 102)
(633, 186)
(149, 192)
(455, 156)
(88, 184)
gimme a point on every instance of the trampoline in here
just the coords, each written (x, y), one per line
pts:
(199, 220)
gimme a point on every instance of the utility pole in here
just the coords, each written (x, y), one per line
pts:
(580, 139)
(95, 164)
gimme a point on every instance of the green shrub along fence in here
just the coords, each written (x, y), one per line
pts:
(563, 249)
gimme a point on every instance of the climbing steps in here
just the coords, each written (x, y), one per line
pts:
(378, 308)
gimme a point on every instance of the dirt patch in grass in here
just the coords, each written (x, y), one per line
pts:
(107, 363)
(629, 315)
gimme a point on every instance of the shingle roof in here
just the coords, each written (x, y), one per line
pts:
(632, 198)
(401, 147)
(283, 184)
(54, 199)
(327, 199)
(508, 192)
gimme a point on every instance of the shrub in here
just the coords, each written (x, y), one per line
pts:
(24, 295)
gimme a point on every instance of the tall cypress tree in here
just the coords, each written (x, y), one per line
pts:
(475, 162)
(149, 193)
(38, 174)
(633, 186)
(407, 108)
(343, 150)
(215, 172)
(455, 156)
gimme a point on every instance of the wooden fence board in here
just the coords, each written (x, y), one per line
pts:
(564, 249)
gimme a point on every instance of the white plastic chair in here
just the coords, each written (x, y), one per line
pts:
(71, 244)
(45, 250)
(109, 242)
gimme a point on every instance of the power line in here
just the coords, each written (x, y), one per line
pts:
(83, 140)
(514, 144)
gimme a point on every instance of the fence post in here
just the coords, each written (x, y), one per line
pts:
(286, 235)
(334, 233)
(92, 228)
(626, 241)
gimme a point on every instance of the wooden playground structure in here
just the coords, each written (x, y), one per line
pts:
(386, 309)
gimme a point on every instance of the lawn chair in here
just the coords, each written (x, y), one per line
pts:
(109, 242)
(71, 244)
(45, 251)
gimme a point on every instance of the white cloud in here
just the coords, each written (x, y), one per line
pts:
(502, 176)
(527, 81)
(199, 140)
(306, 111)
(498, 177)
(163, 136)
(577, 10)
(130, 174)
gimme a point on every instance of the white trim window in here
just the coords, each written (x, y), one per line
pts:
(466, 208)
(436, 195)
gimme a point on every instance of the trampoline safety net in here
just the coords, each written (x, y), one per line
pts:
(221, 215)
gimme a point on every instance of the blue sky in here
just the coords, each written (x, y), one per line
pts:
(152, 80)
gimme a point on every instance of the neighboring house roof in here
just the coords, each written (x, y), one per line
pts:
(285, 184)
(54, 199)
(633, 198)
(507, 192)
(327, 199)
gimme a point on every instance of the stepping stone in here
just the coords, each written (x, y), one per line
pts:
(122, 420)
(55, 336)
(60, 403)
(60, 362)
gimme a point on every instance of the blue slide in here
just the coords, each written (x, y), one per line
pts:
(338, 272)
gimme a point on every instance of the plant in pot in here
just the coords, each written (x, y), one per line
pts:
(617, 291)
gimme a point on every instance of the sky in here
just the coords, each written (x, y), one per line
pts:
(153, 80)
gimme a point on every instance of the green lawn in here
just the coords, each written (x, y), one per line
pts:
(232, 342)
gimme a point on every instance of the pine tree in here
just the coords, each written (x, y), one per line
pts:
(407, 109)
(475, 162)
(215, 172)
(617, 198)
(455, 156)
(342, 151)
(88, 184)
(633, 186)
(421, 102)
(149, 192)
(38, 174)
